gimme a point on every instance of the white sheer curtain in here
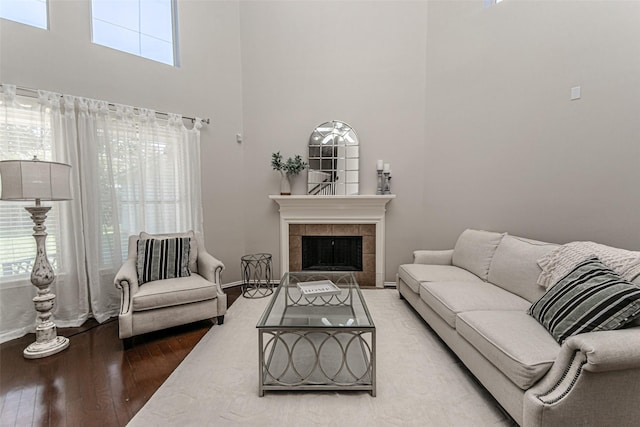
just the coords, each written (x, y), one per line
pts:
(138, 174)
(131, 172)
(44, 126)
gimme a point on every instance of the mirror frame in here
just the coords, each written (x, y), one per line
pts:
(334, 160)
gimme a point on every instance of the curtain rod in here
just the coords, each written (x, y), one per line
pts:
(35, 91)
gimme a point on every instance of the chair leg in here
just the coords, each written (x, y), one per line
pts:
(127, 343)
(220, 320)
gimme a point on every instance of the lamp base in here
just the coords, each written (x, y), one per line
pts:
(38, 350)
(42, 276)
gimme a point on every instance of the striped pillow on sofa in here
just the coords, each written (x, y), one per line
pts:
(591, 297)
(160, 259)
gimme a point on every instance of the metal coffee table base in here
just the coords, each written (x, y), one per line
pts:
(317, 359)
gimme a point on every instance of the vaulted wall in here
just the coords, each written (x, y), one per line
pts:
(469, 105)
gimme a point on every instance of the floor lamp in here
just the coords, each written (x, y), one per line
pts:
(39, 180)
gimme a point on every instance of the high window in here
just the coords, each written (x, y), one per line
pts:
(30, 12)
(489, 3)
(144, 28)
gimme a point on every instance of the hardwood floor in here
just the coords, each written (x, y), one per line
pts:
(95, 382)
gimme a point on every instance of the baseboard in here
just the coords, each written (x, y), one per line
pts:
(390, 285)
(231, 284)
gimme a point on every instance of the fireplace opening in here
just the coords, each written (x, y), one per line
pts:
(332, 253)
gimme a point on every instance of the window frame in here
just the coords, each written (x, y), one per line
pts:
(174, 36)
(46, 11)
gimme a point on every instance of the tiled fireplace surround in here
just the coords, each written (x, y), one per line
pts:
(357, 215)
(366, 277)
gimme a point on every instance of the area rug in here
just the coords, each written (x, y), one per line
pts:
(419, 382)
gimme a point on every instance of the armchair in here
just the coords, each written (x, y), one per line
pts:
(161, 304)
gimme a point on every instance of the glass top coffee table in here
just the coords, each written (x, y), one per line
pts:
(325, 342)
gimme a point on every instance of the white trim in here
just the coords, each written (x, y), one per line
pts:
(359, 209)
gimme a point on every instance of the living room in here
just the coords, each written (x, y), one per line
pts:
(470, 105)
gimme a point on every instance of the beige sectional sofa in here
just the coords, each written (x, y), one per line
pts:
(476, 296)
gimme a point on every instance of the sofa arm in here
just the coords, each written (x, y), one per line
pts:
(126, 281)
(585, 380)
(433, 257)
(210, 267)
(608, 350)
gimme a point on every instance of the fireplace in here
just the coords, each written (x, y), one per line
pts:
(356, 215)
(365, 234)
(332, 253)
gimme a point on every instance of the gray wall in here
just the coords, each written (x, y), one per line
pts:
(469, 105)
(362, 62)
(506, 147)
(207, 84)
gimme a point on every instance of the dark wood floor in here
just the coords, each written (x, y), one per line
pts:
(95, 382)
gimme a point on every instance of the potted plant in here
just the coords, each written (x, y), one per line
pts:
(292, 167)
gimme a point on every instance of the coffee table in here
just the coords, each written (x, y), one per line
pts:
(317, 343)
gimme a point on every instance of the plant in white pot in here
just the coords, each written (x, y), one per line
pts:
(292, 167)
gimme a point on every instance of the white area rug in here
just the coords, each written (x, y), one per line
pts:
(419, 383)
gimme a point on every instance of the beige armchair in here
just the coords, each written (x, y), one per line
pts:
(165, 303)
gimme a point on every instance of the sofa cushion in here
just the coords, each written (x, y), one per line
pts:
(160, 259)
(590, 298)
(450, 298)
(515, 266)
(474, 251)
(512, 341)
(414, 274)
(170, 292)
(193, 251)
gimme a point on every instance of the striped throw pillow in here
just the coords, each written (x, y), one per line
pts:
(160, 259)
(591, 297)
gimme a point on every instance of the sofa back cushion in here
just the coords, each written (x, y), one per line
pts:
(514, 266)
(474, 251)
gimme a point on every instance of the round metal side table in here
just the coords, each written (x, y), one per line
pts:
(256, 275)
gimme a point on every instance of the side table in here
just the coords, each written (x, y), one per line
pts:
(256, 275)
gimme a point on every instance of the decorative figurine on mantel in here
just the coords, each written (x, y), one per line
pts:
(292, 167)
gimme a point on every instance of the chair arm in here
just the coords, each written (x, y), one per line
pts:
(210, 267)
(443, 257)
(126, 281)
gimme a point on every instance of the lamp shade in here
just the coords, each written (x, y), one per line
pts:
(35, 179)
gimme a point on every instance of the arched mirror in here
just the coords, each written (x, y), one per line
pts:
(334, 157)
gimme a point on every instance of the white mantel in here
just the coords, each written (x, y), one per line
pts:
(358, 209)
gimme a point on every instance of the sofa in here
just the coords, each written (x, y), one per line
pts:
(476, 297)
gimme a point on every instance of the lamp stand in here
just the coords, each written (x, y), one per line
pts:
(42, 276)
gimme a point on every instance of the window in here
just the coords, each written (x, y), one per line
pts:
(489, 3)
(141, 183)
(141, 27)
(27, 131)
(30, 12)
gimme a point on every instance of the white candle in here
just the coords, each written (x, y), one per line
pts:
(379, 165)
(386, 168)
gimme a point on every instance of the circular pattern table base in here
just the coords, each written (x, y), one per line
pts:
(256, 275)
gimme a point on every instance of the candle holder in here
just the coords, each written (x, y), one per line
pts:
(387, 183)
(379, 190)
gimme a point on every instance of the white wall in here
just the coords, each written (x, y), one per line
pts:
(206, 84)
(506, 147)
(362, 62)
